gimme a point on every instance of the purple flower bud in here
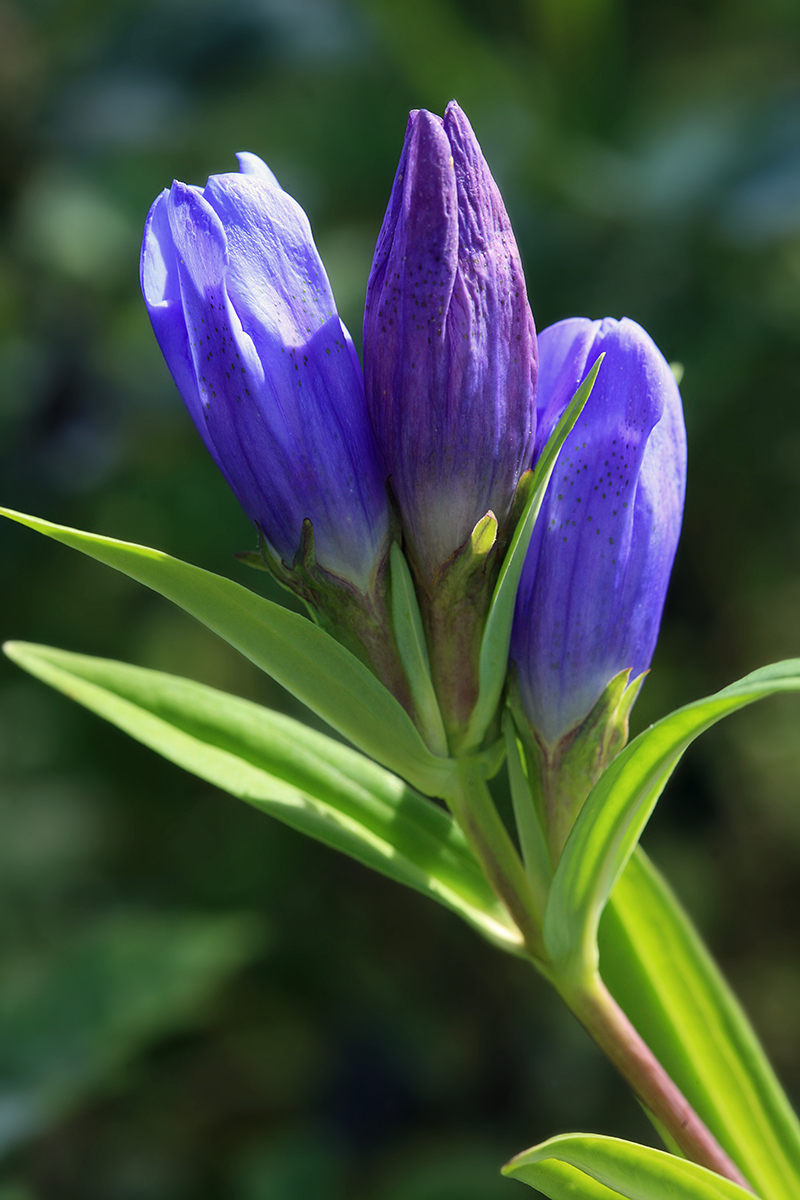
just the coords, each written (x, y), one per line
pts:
(243, 311)
(596, 574)
(449, 342)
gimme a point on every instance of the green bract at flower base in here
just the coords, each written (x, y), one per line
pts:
(360, 621)
(561, 776)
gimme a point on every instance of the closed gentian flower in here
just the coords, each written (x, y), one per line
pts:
(243, 311)
(449, 343)
(595, 577)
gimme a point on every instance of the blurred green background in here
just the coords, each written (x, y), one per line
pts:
(194, 1001)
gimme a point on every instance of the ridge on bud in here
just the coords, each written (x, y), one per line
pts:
(449, 343)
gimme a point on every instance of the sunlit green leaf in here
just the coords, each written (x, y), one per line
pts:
(302, 777)
(612, 819)
(293, 650)
(659, 971)
(584, 1166)
(493, 663)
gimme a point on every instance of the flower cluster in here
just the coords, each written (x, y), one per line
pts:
(428, 445)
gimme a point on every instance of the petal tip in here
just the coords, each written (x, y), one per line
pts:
(251, 164)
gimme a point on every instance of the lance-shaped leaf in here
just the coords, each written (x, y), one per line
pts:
(657, 968)
(282, 767)
(496, 639)
(298, 654)
(618, 807)
(586, 1166)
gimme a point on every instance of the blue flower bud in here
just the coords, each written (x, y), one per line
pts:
(243, 311)
(449, 343)
(595, 577)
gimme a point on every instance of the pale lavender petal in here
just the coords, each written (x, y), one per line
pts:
(251, 164)
(244, 313)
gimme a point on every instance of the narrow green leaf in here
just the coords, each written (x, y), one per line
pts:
(413, 649)
(293, 650)
(578, 1165)
(282, 767)
(532, 842)
(661, 974)
(612, 819)
(493, 663)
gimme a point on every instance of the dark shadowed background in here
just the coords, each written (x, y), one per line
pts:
(194, 1001)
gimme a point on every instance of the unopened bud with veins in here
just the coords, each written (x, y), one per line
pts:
(595, 578)
(450, 366)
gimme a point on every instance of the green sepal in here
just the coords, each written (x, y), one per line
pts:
(496, 638)
(280, 766)
(252, 558)
(614, 815)
(413, 651)
(562, 776)
(453, 612)
(659, 971)
(361, 621)
(587, 1166)
(308, 662)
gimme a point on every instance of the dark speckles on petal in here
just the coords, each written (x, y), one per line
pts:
(599, 593)
(451, 404)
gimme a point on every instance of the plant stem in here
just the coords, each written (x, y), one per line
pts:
(604, 1020)
(587, 996)
(472, 806)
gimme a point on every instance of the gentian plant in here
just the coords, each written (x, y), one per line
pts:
(483, 537)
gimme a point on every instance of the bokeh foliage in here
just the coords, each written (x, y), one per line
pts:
(196, 1002)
